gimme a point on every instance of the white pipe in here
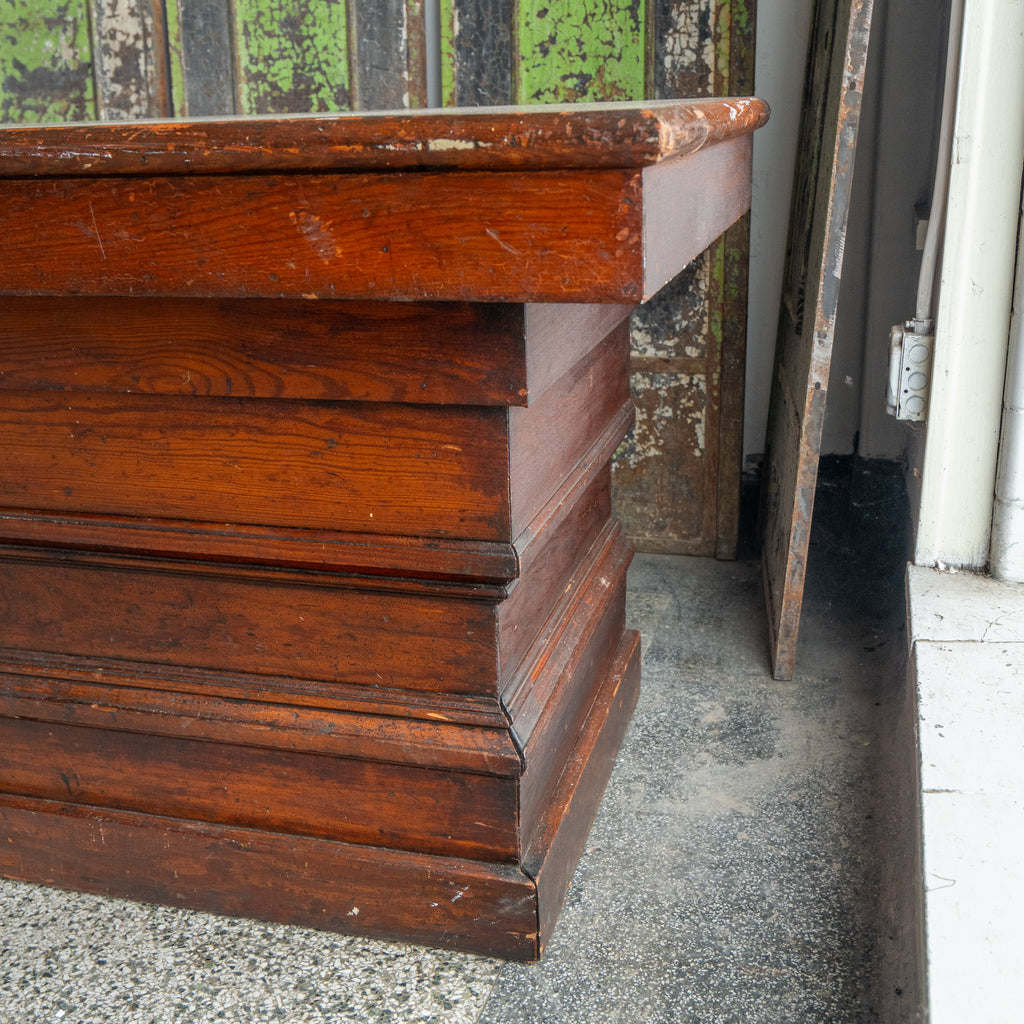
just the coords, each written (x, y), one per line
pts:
(940, 189)
(975, 291)
(1006, 556)
(432, 18)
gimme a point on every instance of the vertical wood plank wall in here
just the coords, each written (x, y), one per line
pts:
(677, 476)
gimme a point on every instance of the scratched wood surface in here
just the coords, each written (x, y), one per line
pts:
(830, 118)
(677, 487)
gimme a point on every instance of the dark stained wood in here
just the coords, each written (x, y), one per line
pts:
(551, 705)
(463, 904)
(422, 353)
(557, 845)
(821, 204)
(292, 548)
(532, 240)
(553, 137)
(355, 466)
(308, 574)
(371, 803)
(559, 429)
(247, 620)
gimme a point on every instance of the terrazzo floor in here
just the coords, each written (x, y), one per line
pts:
(731, 875)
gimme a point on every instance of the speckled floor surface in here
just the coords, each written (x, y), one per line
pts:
(731, 876)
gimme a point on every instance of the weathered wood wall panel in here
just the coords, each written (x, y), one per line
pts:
(201, 61)
(389, 54)
(476, 52)
(677, 480)
(130, 47)
(46, 69)
(827, 148)
(580, 51)
(292, 56)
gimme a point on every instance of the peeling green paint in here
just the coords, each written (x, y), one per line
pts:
(176, 58)
(449, 28)
(586, 50)
(46, 70)
(292, 56)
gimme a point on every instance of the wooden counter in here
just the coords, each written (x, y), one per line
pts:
(311, 601)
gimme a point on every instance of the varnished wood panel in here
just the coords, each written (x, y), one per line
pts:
(292, 548)
(435, 353)
(548, 561)
(356, 801)
(424, 730)
(241, 620)
(558, 430)
(425, 353)
(395, 469)
(554, 851)
(329, 237)
(553, 703)
(551, 137)
(487, 908)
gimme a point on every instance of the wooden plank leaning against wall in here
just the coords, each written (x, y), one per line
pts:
(677, 476)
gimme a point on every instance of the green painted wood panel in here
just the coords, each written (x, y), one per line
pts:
(292, 56)
(46, 71)
(580, 51)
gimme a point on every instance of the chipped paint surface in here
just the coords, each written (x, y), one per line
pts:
(46, 69)
(292, 56)
(675, 322)
(660, 500)
(476, 52)
(685, 48)
(586, 50)
(130, 60)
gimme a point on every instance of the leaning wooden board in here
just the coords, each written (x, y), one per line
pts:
(821, 204)
(312, 601)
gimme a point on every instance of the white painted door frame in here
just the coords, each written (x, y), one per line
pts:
(976, 290)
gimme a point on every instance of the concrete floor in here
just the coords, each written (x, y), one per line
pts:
(732, 873)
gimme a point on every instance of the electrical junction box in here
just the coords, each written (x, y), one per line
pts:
(910, 362)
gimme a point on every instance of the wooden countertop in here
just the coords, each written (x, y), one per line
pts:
(482, 138)
(586, 203)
